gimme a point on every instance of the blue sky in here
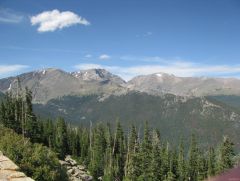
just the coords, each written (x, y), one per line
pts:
(127, 37)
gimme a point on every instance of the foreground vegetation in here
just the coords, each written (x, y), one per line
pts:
(35, 160)
(36, 145)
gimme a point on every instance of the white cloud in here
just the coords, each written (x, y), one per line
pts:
(87, 66)
(9, 69)
(178, 68)
(153, 59)
(88, 56)
(9, 16)
(104, 57)
(149, 33)
(53, 20)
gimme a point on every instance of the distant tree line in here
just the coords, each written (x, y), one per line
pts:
(112, 155)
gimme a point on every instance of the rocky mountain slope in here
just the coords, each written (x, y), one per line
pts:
(161, 83)
(174, 116)
(53, 83)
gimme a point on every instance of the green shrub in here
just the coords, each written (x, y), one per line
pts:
(34, 160)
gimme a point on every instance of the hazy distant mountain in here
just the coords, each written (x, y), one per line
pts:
(161, 83)
(53, 83)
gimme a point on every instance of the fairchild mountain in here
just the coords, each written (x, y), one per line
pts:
(53, 83)
(162, 83)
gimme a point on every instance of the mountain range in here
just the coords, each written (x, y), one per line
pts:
(177, 106)
(53, 83)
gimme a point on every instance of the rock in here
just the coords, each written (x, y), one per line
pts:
(75, 172)
(7, 164)
(70, 171)
(86, 177)
(63, 162)
(73, 162)
(69, 167)
(9, 170)
(68, 158)
(22, 179)
(80, 167)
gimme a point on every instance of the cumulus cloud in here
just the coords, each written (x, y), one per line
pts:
(9, 69)
(53, 20)
(104, 57)
(9, 16)
(178, 68)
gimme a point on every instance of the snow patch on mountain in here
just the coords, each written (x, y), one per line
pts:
(158, 74)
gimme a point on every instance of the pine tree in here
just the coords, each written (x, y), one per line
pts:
(18, 103)
(118, 153)
(77, 144)
(108, 170)
(48, 133)
(9, 122)
(85, 151)
(165, 159)
(97, 152)
(170, 176)
(133, 167)
(61, 138)
(73, 141)
(3, 111)
(226, 155)
(156, 157)
(211, 164)
(193, 160)
(202, 167)
(181, 169)
(132, 138)
(31, 124)
(145, 156)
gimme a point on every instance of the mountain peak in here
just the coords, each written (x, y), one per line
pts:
(49, 70)
(162, 74)
(95, 75)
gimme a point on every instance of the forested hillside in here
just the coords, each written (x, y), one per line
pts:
(107, 152)
(1, 96)
(174, 116)
(232, 101)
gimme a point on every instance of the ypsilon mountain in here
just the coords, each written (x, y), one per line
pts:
(53, 83)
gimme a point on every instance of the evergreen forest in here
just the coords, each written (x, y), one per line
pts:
(110, 154)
